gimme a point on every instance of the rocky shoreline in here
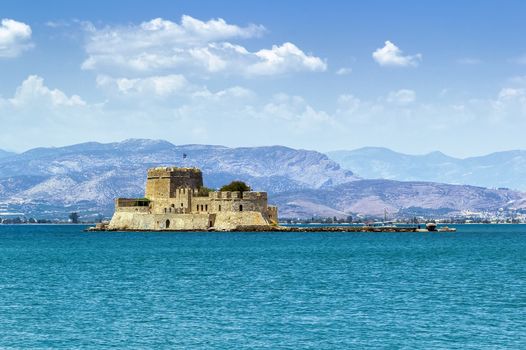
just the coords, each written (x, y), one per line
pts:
(103, 227)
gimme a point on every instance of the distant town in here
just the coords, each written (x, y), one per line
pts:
(502, 216)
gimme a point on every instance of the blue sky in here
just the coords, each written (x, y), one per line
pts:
(414, 76)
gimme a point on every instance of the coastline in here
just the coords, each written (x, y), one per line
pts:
(273, 229)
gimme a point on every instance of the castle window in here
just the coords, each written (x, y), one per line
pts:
(206, 207)
(219, 207)
(173, 205)
(241, 207)
(165, 210)
(197, 207)
(181, 205)
(167, 223)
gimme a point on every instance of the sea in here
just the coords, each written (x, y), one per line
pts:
(63, 288)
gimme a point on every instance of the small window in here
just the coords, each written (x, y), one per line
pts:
(181, 205)
(206, 207)
(165, 210)
(167, 224)
(219, 207)
(241, 207)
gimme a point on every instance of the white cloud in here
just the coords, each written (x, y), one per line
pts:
(401, 97)
(349, 103)
(391, 55)
(285, 58)
(344, 71)
(33, 91)
(157, 85)
(14, 38)
(38, 115)
(164, 46)
(511, 93)
(295, 109)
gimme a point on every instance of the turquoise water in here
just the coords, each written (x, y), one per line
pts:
(64, 288)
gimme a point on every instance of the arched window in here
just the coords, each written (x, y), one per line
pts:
(167, 224)
(241, 207)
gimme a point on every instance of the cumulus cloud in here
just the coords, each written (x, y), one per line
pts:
(33, 91)
(401, 97)
(15, 38)
(37, 115)
(391, 55)
(161, 45)
(285, 58)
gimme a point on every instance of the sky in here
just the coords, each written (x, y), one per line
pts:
(413, 76)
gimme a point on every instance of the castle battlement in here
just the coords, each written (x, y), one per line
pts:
(163, 182)
(173, 201)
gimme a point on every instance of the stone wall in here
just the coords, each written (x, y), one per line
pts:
(185, 222)
(224, 201)
(159, 222)
(180, 203)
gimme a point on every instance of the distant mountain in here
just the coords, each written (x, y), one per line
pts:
(89, 176)
(50, 182)
(372, 197)
(4, 154)
(502, 169)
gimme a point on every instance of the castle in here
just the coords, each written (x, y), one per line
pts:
(175, 200)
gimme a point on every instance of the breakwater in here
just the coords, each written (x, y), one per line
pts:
(258, 228)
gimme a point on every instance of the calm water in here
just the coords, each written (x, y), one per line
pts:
(63, 288)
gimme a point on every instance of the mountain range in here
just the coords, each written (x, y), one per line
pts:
(405, 199)
(50, 182)
(501, 169)
(88, 176)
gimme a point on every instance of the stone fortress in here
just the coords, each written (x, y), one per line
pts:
(175, 200)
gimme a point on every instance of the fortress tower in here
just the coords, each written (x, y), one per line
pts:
(163, 182)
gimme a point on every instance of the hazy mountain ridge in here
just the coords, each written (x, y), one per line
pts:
(372, 197)
(93, 174)
(501, 169)
(4, 154)
(87, 177)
